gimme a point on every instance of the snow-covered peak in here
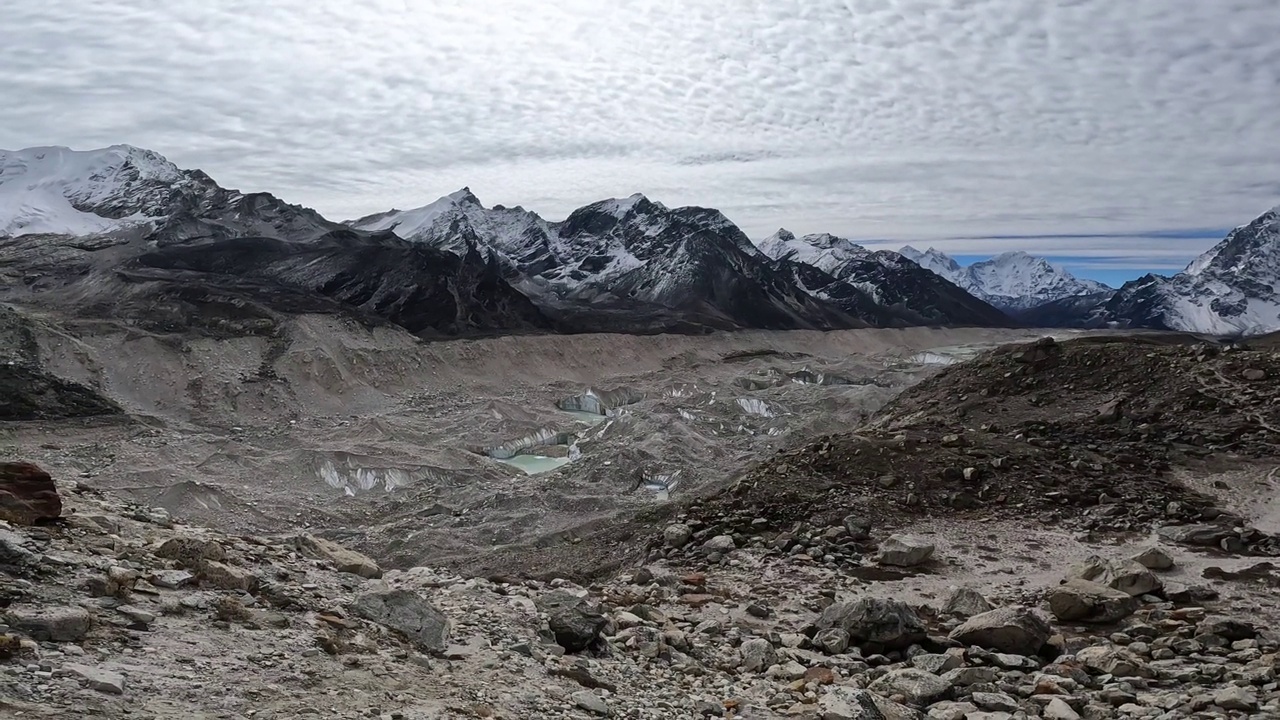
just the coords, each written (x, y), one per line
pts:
(78, 192)
(934, 260)
(1011, 280)
(412, 224)
(620, 207)
(823, 250)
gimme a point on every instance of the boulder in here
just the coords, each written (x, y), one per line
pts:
(1085, 601)
(966, 602)
(857, 526)
(1126, 576)
(190, 552)
(103, 681)
(904, 551)
(720, 544)
(1153, 558)
(27, 494)
(342, 559)
(847, 703)
(677, 535)
(1203, 534)
(407, 613)
(219, 575)
(1229, 628)
(1058, 709)
(917, 686)
(890, 623)
(575, 623)
(1113, 660)
(1015, 629)
(54, 623)
(757, 655)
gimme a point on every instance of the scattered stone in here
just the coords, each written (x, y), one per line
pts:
(343, 559)
(54, 623)
(904, 551)
(408, 613)
(1015, 629)
(574, 621)
(1126, 576)
(1085, 601)
(966, 602)
(27, 494)
(891, 623)
(98, 679)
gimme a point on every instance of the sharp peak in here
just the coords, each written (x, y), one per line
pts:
(463, 196)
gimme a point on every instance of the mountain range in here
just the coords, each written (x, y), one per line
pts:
(122, 232)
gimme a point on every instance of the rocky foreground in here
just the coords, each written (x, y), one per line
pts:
(113, 610)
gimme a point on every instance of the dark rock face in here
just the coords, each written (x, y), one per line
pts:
(27, 494)
(28, 393)
(408, 613)
(575, 623)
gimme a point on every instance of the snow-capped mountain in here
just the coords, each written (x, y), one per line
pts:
(892, 285)
(1012, 281)
(1233, 289)
(121, 232)
(59, 190)
(620, 264)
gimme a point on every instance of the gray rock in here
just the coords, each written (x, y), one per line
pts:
(1235, 698)
(1113, 661)
(917, 686)
(966, 676)
(171, 579)
(220, 575)
(846, 703)
(1058, 709)
(833, 641)
(1126, 576)
(995, 701)
(575, 622)
(720, 544)
(590, 702)
(1202, 535)
(13, 553)
(56, 623)
(677, 535)
(858, 527)
(966, 602)
(408, 613)
(936, 664)
(948, 710)
(97, 679)
(1153, 558)
(889, 622)
(1085, 601)
(342, 559)
(757, 655)
(191, 551)
(904, 551)
(1015, 629)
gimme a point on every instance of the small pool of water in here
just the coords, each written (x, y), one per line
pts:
(583, 416)
(535, 464)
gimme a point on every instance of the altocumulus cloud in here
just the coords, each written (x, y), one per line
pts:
(905, 119)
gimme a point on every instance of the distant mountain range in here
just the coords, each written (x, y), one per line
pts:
(122, 232)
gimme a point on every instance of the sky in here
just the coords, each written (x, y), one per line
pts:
(1115, 136)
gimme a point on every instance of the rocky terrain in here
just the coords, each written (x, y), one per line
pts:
(985, 546)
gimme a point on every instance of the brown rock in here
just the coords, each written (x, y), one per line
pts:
(819, 674)
(27, 494)
(191, 552)
(343, 559)
(226, 577)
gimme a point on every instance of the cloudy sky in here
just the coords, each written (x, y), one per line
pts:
(1118, 135)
